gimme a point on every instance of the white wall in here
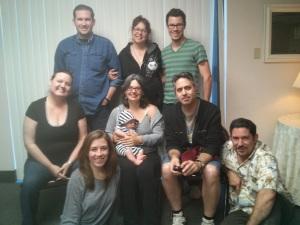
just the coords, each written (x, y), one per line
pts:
(256, 90)
(31, 30)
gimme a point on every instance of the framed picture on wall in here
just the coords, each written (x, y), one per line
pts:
(282, 33)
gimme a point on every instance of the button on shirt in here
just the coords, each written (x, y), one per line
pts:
(258, 172)
(89, 61)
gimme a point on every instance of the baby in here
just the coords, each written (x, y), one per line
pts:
(126, 125)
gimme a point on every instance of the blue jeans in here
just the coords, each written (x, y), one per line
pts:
(36, 176)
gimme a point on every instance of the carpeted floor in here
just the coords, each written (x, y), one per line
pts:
(51, 203)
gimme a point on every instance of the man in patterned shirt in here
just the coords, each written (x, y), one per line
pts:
(256, 192)
(183, 55)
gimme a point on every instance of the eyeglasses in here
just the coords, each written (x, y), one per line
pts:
(178, 26)
(137, 89)
(136, 30)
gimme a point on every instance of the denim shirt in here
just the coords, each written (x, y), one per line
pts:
(89, 61)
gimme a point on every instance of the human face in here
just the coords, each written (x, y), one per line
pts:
(185, 91)
(139, 33)
(176, 28)
(84, 23)
(132, 124)
(243, 142)
(61, 84)
(98, 153)
(134, 91)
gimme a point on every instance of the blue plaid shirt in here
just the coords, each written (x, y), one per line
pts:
(89, 61)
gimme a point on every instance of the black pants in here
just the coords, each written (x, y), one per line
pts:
(99, 119)
(140, 191)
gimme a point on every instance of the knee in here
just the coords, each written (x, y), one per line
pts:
(211, 173)
(167, 175)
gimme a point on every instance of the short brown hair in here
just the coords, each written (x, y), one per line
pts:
(185, 75)
(176, 13)
(83, 7)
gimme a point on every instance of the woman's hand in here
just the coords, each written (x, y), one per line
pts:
(116, 138)
(57, 172)
(131, 139)
(113, 74)
(65, 168)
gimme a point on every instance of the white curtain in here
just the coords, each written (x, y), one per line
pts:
(31, 30)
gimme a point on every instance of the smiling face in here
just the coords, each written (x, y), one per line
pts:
(176, 28)
(84, 23)
(134, 91)
(140, 33)
(60, 84)
(243, 142)
(185, 91)
(98, 153)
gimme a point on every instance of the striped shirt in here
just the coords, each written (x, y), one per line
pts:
(185, 59)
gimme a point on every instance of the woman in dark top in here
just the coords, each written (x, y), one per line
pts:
(54, 128)
(143, 57)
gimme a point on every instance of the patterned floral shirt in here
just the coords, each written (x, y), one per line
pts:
(259, 171)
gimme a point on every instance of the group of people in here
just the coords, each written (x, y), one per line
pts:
(107, 154)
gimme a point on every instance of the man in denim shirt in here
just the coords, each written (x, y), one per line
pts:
(89, 57)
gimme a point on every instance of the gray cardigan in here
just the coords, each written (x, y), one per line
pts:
(151, 129)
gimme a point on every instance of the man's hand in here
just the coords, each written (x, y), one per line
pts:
(190, 167)
(234, 180)
(175, 162)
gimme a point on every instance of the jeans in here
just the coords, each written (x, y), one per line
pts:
(35, 177)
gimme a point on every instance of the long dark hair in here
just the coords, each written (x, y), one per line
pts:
(110, 166)
(144, 101)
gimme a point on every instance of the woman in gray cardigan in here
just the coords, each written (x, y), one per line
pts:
(139, 184)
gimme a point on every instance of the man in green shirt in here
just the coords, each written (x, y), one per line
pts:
(183, 55)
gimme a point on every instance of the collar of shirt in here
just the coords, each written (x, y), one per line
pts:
(83, 41)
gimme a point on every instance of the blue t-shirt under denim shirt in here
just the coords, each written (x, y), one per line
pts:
(89, 61)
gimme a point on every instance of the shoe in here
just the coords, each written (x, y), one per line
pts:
(207, 222)
(178, 219)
